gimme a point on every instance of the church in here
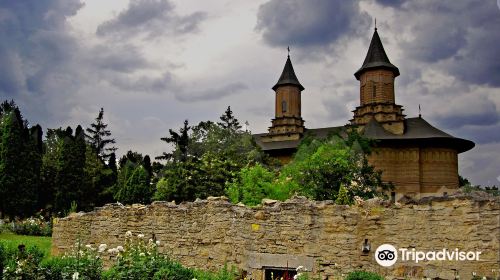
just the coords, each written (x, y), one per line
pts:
(417, 158)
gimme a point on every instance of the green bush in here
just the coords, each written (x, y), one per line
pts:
(255, 183)
(20, 262)
(363, 275)
(32, 226)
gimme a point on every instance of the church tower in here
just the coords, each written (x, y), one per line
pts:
(287, 123)
(377, 101)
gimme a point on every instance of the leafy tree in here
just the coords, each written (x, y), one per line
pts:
(320, 167)
(97, 136)
(209, 156)
(252, 185)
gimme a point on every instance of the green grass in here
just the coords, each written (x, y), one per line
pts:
(12, 240)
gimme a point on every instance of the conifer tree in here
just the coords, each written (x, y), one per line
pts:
(181, 141)
(229, 121)
(98, 137)
(19, 162)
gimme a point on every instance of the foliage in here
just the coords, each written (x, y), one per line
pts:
(320, 167)
(12, 241)
(63, 169)
(180, 140)
(363, 275)
(99, 178)
(133, 183)
(19, 262)
(223, 274)
(139, 259)
(20, 160)
(97, 136)
(343, 197)
(205, 158)
(35, 226)
(255, 183)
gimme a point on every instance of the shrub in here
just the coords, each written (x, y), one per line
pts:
(363, 275)
(32, 226)
(139, 259)
(255, 183)
(20, 262)
(222, 274)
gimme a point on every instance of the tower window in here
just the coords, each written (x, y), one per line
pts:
(283, 107)
(374, 90)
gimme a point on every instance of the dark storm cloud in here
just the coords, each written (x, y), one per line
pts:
(394, 3)
(211, 94)
(33, 42)
(308, 23)
(461, 35)
(150, 18)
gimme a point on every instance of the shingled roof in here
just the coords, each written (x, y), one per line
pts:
(417, 130)
(288, 76)
(376, 58)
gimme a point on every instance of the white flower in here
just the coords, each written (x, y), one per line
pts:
(299, 268)
(75, 276)
(102, 247)
(140, 235)
(142, 255)
(119, 248)
(157, 242)
(88, 246)
(128, 234)
(150, 240)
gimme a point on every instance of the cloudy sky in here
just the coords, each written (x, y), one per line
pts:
(153, 63)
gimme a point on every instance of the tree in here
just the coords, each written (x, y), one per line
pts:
(181, 142)
(20, 158)
(97, 136)
(133, 183)
(209, 156)
(321, 167)
(63, 169)
(229, 121)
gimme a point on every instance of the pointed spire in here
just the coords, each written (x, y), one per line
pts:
(288, 76)
(376, 58)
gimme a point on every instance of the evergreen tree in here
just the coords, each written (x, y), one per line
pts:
(19, 162)
(181, 141)
(133, 183)
(229, 121)
(64, 169)
(97, 136)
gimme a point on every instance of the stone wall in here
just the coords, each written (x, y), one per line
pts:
(321, 236)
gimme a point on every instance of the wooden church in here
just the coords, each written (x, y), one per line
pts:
(418, 158)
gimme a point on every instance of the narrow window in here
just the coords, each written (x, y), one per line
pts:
(283, 107)
(374, 90)
(393, 197)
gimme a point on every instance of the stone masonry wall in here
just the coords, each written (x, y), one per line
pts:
(321, 236)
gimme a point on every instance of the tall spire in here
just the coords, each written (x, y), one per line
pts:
(376, 58)
(288, 76)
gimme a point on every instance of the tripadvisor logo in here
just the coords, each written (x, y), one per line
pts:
(386, 255)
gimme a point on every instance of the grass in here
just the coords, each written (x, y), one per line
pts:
(12, 240)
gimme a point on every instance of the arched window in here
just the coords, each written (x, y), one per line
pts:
(374, 90)
(283, 106)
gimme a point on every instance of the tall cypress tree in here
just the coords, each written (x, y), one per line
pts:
(70, 164)
(19, 162)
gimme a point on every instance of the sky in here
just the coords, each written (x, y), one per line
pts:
(151, 64)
